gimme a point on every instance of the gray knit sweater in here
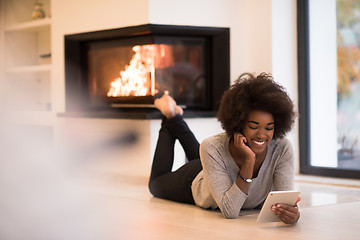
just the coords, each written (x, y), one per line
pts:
(215, 187)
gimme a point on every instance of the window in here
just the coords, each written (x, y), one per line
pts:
(329, 87)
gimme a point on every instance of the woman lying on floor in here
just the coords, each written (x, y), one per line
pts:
(238, 168)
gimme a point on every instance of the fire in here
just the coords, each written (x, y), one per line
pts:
(138, 78)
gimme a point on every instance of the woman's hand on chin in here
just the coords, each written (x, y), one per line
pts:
(241, 145)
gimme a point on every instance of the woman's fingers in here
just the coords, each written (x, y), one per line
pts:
(239, 140)
(240, 143)
(287, 214)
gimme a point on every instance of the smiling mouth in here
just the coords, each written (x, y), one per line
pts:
(259, 142)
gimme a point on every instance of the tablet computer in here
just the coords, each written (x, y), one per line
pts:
(274, 197)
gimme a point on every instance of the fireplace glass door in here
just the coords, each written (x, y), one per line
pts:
(126, 72)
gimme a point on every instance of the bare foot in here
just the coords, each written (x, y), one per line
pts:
(167, 106)
(179, 110)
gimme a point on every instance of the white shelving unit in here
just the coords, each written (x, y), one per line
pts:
(33, 25)
(26, 61)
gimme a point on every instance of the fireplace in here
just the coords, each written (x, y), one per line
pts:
(117, 72)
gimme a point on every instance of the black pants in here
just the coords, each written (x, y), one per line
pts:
(163, 182)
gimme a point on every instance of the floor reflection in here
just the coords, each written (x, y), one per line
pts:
(313, 194)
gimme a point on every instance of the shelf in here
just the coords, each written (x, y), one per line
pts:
(29, 69)
(26, 59)
(34, 25)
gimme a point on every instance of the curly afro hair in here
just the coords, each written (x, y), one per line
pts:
(251, 93)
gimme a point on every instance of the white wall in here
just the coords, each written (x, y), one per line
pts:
(284, 56)
(254, 46)
(249, 23)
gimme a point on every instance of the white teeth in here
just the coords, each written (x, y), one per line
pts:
(259, 143)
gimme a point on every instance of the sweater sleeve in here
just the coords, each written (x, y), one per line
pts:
(223, 189)
(284, 170)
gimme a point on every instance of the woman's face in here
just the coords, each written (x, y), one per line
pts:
(259, 130)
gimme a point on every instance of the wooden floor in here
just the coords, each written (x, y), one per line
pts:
(327, 212)
(104, 196)
(119, 206)
(38, 203)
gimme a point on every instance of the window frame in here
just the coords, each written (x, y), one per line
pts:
(304, 101)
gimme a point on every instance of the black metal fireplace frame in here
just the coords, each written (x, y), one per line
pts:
(76, 85)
